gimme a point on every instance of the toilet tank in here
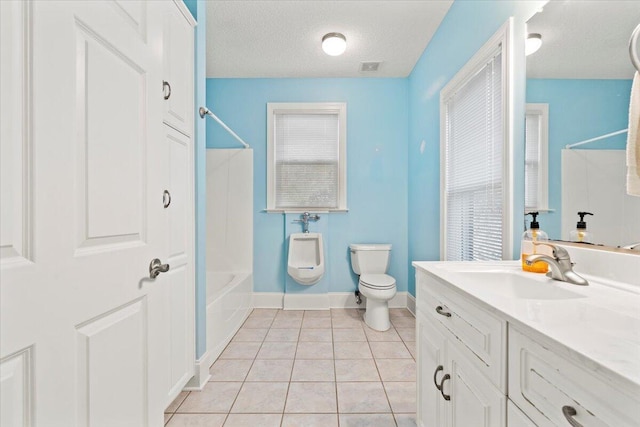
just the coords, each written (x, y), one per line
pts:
(370, 258)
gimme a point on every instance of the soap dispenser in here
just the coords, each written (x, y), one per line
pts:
(580, 234)
(531, 236)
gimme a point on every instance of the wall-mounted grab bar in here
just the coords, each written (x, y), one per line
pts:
(204, 111)
(633, 48)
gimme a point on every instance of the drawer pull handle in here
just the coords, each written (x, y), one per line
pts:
(441, 388)
(441, 311)
(569, 412)
(435, 374)
(166, 84)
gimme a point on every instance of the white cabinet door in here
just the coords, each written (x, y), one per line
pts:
(178, 66)
(179, 299)
(475, 401)
(431, 370)
(81, 341)
(517, 418)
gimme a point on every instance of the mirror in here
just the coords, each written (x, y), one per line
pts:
(578, 88)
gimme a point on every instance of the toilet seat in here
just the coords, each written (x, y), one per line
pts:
(377, 281)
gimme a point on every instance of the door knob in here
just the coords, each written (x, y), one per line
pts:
(156, 267)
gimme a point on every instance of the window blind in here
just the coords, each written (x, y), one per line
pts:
(306, 156)
(532, 160)
(474, 167)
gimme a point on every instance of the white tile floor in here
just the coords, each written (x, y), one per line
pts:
(308, 369)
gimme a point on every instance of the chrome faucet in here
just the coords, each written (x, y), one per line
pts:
(305, 218)
(561, 265)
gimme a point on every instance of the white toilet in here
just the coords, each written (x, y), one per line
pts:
(370, 262)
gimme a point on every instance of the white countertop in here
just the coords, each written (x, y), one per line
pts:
(600, 326)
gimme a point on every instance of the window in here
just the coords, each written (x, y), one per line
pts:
(475, 192)
(536, 174)
(306, 159)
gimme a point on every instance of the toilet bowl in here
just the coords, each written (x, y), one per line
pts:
(305, 263)
(371, 262)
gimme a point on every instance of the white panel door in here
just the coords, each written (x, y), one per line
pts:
(179, 300)
(81, 338)
(178, 67)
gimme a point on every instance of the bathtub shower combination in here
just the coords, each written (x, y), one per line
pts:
(229, 244)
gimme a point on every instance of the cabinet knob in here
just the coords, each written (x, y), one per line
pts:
(440, 311)
(441, 388)
(569, 412)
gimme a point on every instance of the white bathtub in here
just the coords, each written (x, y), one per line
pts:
(228, 305)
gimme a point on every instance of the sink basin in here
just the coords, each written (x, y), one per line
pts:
(512, 284)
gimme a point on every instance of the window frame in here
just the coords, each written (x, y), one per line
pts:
(274, 108)
(502, 40)
(541, 110)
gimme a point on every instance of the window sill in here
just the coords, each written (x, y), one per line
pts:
(546, 210)
(299, 211)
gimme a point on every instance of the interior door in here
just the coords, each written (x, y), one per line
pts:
(81, 339)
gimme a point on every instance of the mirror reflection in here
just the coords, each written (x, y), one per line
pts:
(578, 92)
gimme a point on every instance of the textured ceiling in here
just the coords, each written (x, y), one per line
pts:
(282, 38)
(584, 39)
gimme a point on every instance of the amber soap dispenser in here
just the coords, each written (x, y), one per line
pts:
(529, 238)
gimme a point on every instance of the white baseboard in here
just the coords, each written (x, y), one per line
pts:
(411, 304)
(201, 373)
(306, 302)
(268, 300)
(321, 301)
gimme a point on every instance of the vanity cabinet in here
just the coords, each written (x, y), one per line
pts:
(460, 352)
(468, 352)
(556, 391)
(517, 418)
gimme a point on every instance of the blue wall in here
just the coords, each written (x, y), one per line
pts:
(465, 29)
(377, 132)
(578, 110)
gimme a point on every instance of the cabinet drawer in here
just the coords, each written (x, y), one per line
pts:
(478, 330)
(546, 385)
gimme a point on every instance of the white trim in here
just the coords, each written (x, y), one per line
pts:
(184, 10)
(502, 40)
(308, 108)
(543, 164)
(411, 304)
(316, 301)
(201, 372)
(306, 302)
(298, 211)
(268, 300)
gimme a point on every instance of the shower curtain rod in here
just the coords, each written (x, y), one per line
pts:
(598, 138)
(205, 111)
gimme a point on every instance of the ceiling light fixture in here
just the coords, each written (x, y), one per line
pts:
(532, 44)
(334, 44)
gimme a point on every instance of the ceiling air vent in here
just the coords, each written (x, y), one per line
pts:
(369, 66)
